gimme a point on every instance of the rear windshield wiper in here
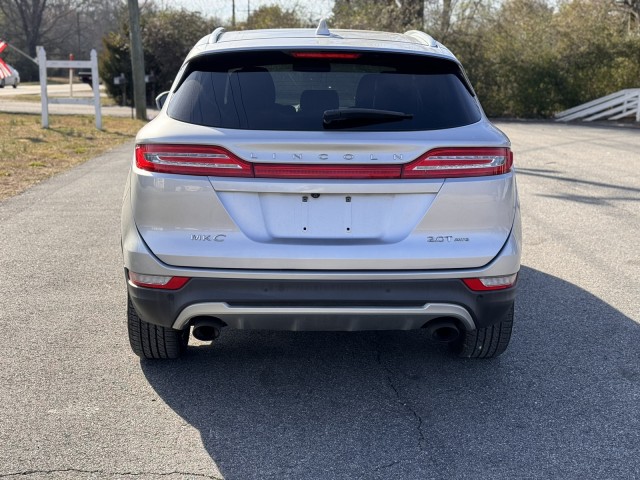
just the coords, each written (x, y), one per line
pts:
(355, 117)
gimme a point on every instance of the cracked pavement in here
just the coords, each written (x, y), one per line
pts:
(390, 375)
(563, 402)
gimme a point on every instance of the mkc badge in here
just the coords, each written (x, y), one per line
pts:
(208, 238)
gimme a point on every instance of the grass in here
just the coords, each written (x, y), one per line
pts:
(30, 154)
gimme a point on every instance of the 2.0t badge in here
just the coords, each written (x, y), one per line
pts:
(446, 239)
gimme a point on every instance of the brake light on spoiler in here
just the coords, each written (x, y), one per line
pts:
(327, 55)
(218, 162)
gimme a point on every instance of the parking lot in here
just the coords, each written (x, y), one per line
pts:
(562, 402)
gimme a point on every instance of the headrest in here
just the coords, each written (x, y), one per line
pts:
(366, 91)
(256, 87)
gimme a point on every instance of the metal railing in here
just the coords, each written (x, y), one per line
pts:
(622, 104)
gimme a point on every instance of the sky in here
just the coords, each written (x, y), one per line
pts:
(315, 9)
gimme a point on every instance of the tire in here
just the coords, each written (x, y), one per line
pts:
(153, 341)
(2, 83)
(488, 342)
(15, 84)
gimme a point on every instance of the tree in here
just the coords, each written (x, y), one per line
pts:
(632, 9)
(450, 21)
(29, 23)
(534, 60)
(410, 14)
(388, 15)
(596, 54)
(167, 37)
(273, 16)
(525, 58)
(62, 26)
(51, 23)
(28, 17)
(137, 61)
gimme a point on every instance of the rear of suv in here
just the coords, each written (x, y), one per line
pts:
(321, 180)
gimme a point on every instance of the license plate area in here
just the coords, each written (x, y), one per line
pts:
(326, 216)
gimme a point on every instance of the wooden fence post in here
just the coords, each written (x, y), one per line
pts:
(96, 88)
(42, 66)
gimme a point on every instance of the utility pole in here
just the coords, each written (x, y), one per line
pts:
(233, 13)
(78, 50)
(137, 61)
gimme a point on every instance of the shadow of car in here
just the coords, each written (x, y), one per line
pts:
(389, 404)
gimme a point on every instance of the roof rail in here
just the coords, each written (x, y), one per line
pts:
(216, 34)
(323, 29)
(422, 37)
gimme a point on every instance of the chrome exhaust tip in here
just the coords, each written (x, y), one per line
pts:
(207, 329)
(443, 330)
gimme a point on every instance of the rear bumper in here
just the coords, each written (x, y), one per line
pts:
(322, 305)
(319, 300)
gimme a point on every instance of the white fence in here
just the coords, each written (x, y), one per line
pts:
(43, 64)
(619, 105)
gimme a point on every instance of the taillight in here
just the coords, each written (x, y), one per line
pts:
(191, 160)
(490, 283)
(157, 281)
(460, 162)
(219, 162)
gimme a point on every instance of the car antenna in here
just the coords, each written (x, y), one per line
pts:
(323, 29)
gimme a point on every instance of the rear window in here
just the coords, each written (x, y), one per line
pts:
(290, 91)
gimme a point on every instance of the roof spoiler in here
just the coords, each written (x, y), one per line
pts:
(422, 38)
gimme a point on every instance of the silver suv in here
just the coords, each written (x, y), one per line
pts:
(321, 180)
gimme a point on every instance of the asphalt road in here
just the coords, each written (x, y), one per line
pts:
(13, 106)
(562, 402)
(79, 89)
(82, 94)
